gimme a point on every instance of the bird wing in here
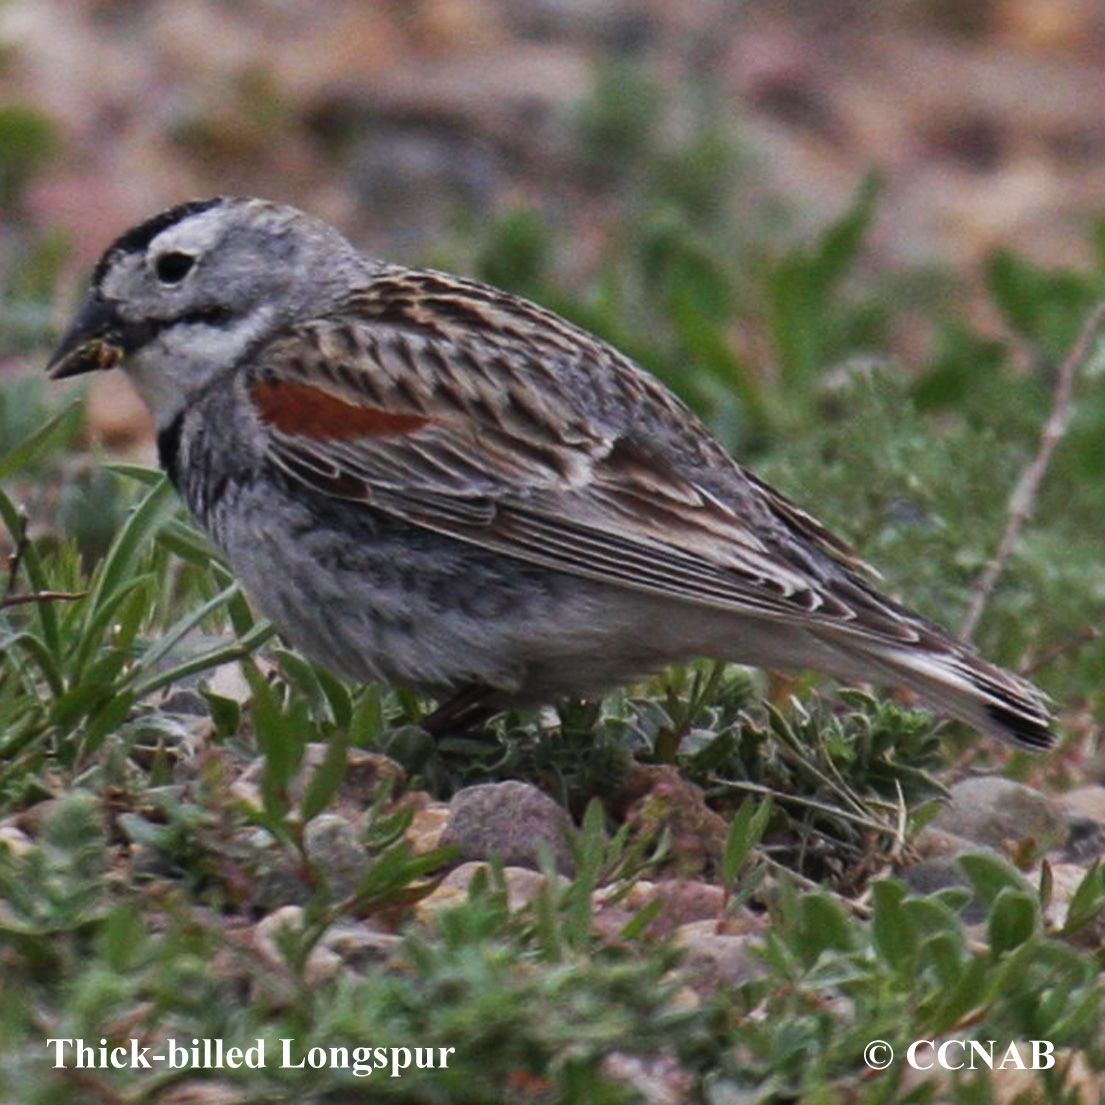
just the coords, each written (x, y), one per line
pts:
(457, 408)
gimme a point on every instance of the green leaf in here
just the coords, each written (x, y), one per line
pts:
(304, 678)
(1087, 903)
(282, 741)
(517, 253)
(989, 876)
(170, 639)
(368, 721)
(824, 927)
(122, 560)
(122, 940)
(1048, 307)
(800, 310)
(140, 473)
(970, 990)
(53, 429)
(895, 937)
(1046, 890)
(338, 698)
(635, 927)
(745, 831)
(216, 658)
(708, 345)
(388, 881)
(29, 138)
(184, 540)
(51, 638)
(95, 631)
(945, 953)
(1077, 1015)
(76, 703)
(327, 777)
(108, 714)
(590, 851)
(41, 656)
(1013, 920)
(931, 917)
(226, 713)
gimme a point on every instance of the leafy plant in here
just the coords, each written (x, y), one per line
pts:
(170, 893)
(912, 973)
(28, 140)
(81, 652)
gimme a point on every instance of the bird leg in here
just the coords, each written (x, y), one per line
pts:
(467, 708)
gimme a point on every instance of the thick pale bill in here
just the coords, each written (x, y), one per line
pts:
(99, 354)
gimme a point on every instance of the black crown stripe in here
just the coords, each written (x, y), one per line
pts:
(139, 237)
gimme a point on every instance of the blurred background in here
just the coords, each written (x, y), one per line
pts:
(430, 130)
(761, 201)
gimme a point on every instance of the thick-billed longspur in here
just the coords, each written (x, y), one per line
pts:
(424, 480)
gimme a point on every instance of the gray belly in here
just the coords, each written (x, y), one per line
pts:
(372, 598)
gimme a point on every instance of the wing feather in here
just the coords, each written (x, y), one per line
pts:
(452, 420)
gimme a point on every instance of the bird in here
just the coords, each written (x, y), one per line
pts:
(425, 481)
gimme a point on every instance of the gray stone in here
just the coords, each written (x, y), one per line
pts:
(684, 901)
(336, 851)
(998, 812)
(1088, 801)
(714, 958)
(365, 772)
(512, 822)
(523, 884)
(939, 873)
(655, 1079)
(1085, 840)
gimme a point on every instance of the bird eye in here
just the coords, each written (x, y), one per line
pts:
(172, 268)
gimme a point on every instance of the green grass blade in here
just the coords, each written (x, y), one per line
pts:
(745, 832)
(164, 645)
(120, 563)
(18, 458)
(93, 633)
(36, 574)
(227, 654)
(39, 652)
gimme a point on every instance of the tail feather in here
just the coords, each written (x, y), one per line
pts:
(960, 684)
